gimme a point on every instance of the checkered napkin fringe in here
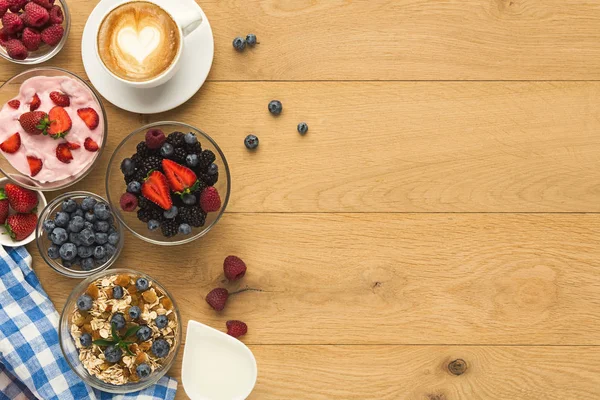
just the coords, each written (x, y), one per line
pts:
(32, 365)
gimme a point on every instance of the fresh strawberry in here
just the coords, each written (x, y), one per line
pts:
(4, 4)
(35, 165)
(156, 189)
(56, 15)
(12, 144)
(35, 15)
(234, 268)
(12, 23)
(181, 179)
(60, 99)
(21, 200)
(3, 206)
(16, 49)
(14, 104)
(44, 3)
(60, 122)
(89, 116)
(19, 226)
(210, 200)
(34, 122)
(53, 34)
(236, 328)
(90, 145)
(217, 298)
(63, 153)
(73, 146)
(35, 102)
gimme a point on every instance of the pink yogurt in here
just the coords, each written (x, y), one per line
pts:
(44, 147)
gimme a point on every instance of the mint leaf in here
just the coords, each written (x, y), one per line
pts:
(131, 331)
(103, 342)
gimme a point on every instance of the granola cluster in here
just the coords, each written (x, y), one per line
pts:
(143, 351)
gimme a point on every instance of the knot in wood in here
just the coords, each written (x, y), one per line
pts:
(457, 367)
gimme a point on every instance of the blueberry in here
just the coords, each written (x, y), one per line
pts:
(192, 160)
(68, 251)
(75, 239)
(69, 206)
(275, 107)
(49, 225)
(77, 213)
(239, 44)
(171, 212)
(101, 226)
(161, 348)
(85, 302)
(101, 238)
(87, 237)
(87, 264)
(99, 252)
(62, 219)
(86, 340)
(128, 167)
(85, 251)
(109, 249)
(76, 224)
(134, 187)
(117, 292)
(88, 225)
(89, 217)
(213, 169)
(251, 39)
(53, 252)
(251, 142)
(302, 128)
(59, 236)
(142, 284)
(135, 312)
(185, 229)
(88, 203)
(113, 238)
(166, 150)
(161, 321)
(101, 261)
(190, 138)
(153, 224)
(113, 354)
(72, 263)
(144, 333)
(102, 211)
(118, 320)
(143, 371)
(188, 199)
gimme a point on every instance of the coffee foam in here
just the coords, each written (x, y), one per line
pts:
(138, 41)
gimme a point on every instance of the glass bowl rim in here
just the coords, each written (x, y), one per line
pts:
(224, 204)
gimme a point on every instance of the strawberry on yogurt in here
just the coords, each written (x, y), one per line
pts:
(63, 148)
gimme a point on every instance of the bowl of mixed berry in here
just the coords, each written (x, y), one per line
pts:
(168, 183)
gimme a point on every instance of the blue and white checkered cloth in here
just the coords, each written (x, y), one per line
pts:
(32, 365)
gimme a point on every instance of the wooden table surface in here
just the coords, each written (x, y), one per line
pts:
(444, 205)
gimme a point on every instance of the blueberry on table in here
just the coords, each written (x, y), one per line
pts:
(251, 142)
(161, 348)
(53, 252)
(239, 43)
(113, 238)
(128, 167)
(144, 333)
(302, 128)
(59, 236)
(68, 251)
(85, 302)
(143, 371)
(69, 205)
(251, 39)
(275, 107)
(87, 264)
(142, 284)
(88, 203)
(161, 321)
(113, 354)
(49, 225)
(86, 340)
(118, 320)
(153, 224)
(76, 224)
(135, 312)
(62, 219)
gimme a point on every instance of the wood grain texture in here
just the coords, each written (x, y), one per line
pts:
(391, 40)
(389, 278)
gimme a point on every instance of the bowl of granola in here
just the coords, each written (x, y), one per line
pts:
(120, 331)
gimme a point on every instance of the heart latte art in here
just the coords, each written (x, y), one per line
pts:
(138, 41)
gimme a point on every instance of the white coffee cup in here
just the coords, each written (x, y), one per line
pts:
(188, 18)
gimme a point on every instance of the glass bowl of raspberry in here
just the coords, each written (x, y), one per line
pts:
(168, 183)
(33, 31)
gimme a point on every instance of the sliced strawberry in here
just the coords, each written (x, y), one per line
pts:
(12, 144)
(60, 99)
(60, 122)
(181, 179)
(89, 116)
(34, 122)
(14, 104)
(35, 103)
(73, 146)
(156, 189)
(35, 165)
(90, 145)
(63, 153)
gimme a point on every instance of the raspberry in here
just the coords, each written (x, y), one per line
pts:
(16, 5)
(44, 3)
(193, 216)
(53, 34)
(236, 328)
(210, 200)
(56, 15)
(155, 138)
(234, 268)
(6, 37)
(128, 202)
(176, 139)
(31, 39)
(3, 7)
(16, 49)
(217, 298)
(35, 15)
(12, 23)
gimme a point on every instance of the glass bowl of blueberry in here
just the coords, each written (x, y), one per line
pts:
(168, 183)
(78, 236)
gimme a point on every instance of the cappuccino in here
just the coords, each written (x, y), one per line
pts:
(138, 41)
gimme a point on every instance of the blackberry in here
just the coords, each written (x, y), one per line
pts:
(195, 148)
(140, 175)
(152, 163)
(179, 155)
(142, 150)
(208, 180)
(137, 159)
(169, 228)
(206, 158)
(146, 214)
(144, 202)
(176, 139)
(192, 215)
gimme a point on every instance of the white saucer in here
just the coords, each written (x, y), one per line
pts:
(196, 61)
